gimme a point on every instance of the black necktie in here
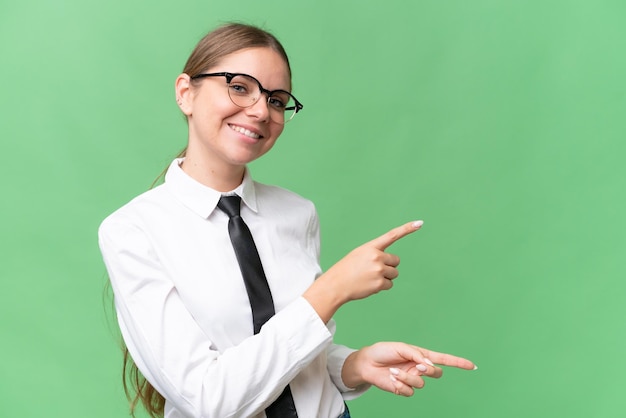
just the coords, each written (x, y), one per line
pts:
(256, 285)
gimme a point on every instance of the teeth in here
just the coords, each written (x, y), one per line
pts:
(245, 131)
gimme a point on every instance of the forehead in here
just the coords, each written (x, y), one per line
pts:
(264, 64)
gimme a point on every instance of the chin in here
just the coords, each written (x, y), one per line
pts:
(243, 160)
(247, 157)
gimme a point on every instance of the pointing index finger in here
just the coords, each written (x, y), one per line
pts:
(388, 238)
(448, 360)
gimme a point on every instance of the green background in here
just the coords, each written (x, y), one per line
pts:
(500, 123)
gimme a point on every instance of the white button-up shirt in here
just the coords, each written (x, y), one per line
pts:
(184, 312)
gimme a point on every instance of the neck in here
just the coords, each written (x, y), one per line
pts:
(220, 178)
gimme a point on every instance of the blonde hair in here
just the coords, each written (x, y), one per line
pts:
(217, 44)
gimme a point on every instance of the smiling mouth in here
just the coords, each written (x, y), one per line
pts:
(245, 132)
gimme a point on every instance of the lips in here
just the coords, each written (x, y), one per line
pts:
(245, 132)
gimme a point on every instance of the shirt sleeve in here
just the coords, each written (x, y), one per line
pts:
(177, 357)
(336, 355)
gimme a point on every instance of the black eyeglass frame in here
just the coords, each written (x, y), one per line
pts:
(229, 77)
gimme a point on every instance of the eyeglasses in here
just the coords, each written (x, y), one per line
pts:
(245, 90)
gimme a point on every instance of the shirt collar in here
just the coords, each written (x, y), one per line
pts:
(200, 198)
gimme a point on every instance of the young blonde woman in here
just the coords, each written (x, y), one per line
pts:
(185, 307)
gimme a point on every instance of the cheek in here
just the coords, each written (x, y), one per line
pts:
(212, 109)
(221, 111)
(269, 143)
(276, 131)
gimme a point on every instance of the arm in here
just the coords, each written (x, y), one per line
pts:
(336, 356)
(394, 367)
(178, 358)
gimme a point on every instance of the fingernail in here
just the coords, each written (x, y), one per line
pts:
(475, 367)
(421, 367)
(394, 371)
(393, 378)
(427, 361)
(417, 224)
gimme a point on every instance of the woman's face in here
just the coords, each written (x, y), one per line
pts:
(226, 135)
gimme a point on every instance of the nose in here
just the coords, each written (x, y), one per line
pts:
(260, 109)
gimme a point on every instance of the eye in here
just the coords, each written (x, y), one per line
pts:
(277, 102)
(238, 88)
(280, 100)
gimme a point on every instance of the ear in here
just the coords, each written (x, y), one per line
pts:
(184, 95)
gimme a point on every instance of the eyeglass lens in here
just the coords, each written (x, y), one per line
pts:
(244, 91)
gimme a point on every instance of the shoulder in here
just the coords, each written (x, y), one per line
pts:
(270, 196)
(134, 214)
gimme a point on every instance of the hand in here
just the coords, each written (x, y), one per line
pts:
(366, 270)
(397, 367)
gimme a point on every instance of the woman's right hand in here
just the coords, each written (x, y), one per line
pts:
(366, 270)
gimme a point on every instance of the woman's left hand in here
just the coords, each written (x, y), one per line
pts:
(397, 367)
